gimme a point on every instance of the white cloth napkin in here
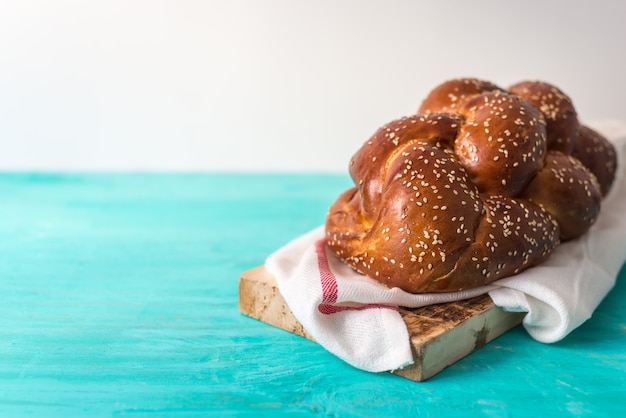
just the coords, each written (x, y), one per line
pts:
(357, 319)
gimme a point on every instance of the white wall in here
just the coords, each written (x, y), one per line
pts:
(274, 84)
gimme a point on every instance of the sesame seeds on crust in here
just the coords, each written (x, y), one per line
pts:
(450, 201)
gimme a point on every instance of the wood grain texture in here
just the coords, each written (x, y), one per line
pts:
(439, 334)
(119, 297)
(260, 298)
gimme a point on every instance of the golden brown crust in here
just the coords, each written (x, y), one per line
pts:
(512, 235)
(450, 95)
(557, 109)
(569, 191)
(502, 142)
(596, 153)
(451, 201)
(416, 219)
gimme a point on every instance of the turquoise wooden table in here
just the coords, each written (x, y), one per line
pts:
(119, 297)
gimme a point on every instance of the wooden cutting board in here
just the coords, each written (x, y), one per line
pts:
(440, 334)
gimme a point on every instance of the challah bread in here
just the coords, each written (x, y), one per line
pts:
(568, 191)
(596, 153)
(502, 142)
(449, 95)
(466, 192)
(557, 109)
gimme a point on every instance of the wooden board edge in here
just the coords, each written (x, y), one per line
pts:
(459, 342)
(260, 298)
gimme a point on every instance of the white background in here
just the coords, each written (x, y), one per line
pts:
(272, 85)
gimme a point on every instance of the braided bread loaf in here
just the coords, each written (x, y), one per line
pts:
(480, 184)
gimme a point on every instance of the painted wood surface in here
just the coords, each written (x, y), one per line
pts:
(119, 297)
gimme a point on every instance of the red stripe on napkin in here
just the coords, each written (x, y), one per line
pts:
(329, 282)
(330, 289)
